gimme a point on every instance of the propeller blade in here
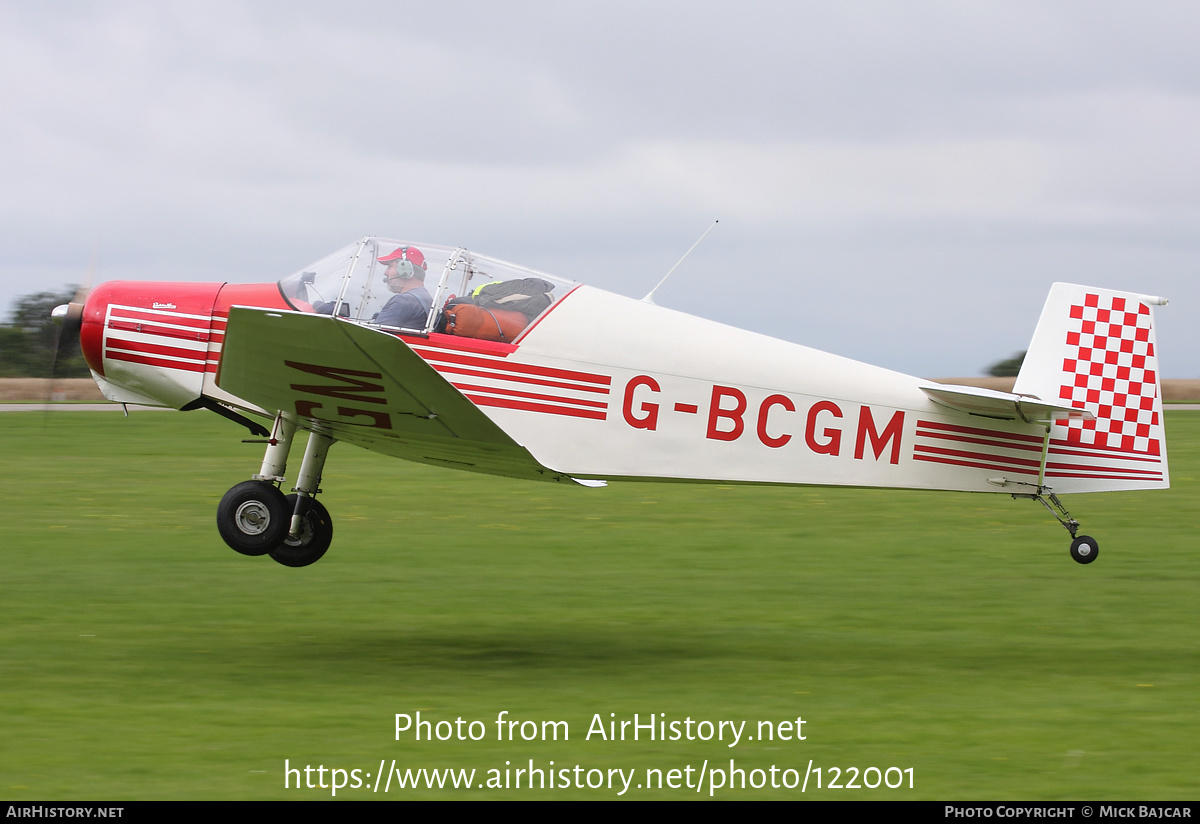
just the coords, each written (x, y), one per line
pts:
(69, 317)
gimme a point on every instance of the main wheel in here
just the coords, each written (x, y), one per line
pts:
(253, 517)
(316, 532)
(1084, 549)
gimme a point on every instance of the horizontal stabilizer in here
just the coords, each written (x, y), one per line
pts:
(988, 403)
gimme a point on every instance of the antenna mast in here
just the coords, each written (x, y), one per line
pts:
(650, 297)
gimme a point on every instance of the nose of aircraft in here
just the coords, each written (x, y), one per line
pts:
(150, 340)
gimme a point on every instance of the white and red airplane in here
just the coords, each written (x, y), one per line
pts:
(513, 372)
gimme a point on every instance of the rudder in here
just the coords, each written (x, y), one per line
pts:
(1095, 350)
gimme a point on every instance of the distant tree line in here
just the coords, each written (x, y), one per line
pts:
(1007, 368)
(28, 339)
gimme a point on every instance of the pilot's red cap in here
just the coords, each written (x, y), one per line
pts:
(409, 253)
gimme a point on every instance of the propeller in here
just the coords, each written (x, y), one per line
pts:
(69, 318)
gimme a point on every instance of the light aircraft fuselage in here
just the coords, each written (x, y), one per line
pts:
(517, 373)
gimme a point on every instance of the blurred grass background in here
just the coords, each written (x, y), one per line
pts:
(951, 633)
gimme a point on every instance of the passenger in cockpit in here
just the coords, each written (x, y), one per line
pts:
(405, 275)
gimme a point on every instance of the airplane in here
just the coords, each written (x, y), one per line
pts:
(503, 370)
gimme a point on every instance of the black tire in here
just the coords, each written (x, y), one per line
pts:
(1084, 549)
(316, 533)
(253, 517)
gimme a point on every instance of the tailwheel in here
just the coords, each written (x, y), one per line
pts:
(312, 538)
(1084, 549)
(253, 517)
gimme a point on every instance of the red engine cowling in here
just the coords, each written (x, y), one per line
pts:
(154, 343)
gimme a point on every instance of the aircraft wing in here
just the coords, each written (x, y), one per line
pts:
(364, 387)
(988, 403)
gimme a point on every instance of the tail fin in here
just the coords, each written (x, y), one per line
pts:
(1095, 350)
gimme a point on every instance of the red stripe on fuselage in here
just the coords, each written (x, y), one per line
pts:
(468, 387)
(987, 456)
(1150, 476)
(1086, 452)
(185, 366)
(473, 345)
(124, 325)
(973, 464)
(987, 433)
(524, 368)
(157, 349)
(1027, 447)
(480, 400)
(160, 316)
(1057, 446)
(456, 370)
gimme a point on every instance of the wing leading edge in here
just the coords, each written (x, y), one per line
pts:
(364, 387)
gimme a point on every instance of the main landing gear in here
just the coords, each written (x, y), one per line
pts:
(253, 517)
(256, 518)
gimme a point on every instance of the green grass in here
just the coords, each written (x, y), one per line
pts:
(949, 633)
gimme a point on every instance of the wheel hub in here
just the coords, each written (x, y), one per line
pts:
(303, 537)
(252, 518)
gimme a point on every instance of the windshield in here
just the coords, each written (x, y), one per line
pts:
(423, 288)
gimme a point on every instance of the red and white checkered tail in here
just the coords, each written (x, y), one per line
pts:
(1094, 349)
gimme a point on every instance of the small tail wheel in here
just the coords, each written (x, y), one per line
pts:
(316, 533)
(1084, 549)
(253, 517)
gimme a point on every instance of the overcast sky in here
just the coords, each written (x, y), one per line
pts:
(896, 182)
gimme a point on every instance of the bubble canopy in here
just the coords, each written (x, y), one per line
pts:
(352, 282)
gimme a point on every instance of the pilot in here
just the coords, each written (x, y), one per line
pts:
(405, 275)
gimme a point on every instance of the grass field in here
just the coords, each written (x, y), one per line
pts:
(947, 633)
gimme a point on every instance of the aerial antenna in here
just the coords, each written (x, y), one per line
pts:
(650, 297)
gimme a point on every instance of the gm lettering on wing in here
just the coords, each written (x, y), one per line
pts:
(354, 385)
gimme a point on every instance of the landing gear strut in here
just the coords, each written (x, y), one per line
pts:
(255, 518)
(310, 543)
(1084, 548)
